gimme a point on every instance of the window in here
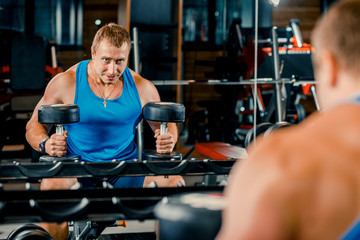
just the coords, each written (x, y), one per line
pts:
(60, 21)
(204, 20)
(12, 15)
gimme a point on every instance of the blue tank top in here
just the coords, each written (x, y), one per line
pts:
(104, 134)
(353, 232)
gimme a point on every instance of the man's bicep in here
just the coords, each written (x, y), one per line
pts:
(152, 94)
(52, 95)
(57, 90)
(149, 93)
(146, 89)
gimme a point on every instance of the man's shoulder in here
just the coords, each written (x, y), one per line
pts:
(65, 78)
(344, 114)
(139, 80)
(143, 84)
(333, 125)
(62, 85)
(306, 147)
(72, 69)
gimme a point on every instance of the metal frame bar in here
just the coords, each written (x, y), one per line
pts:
(83, 204)
(139, 128)
(34, 171)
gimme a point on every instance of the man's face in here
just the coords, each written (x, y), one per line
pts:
(110, 61)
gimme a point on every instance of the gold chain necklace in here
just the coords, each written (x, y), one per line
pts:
(102, 94)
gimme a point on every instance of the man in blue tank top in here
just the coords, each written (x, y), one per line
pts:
(111, 98)
(303, 182)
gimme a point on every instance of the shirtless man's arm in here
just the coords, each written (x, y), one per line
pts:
(258, 200)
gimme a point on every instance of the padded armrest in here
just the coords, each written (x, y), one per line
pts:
(220, 150)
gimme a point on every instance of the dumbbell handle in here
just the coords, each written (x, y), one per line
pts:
(163, 128)
(59, 129)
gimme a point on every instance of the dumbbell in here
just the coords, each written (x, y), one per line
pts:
(191, 216)
(163, 112)
(29, 232)
(58, 114)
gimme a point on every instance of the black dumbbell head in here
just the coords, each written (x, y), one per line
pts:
(29, 232)
(190, 216)
(164, 112)
(58, 114)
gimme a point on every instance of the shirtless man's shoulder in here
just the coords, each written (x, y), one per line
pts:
(288, 173)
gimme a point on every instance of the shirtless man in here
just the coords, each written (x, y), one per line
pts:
(303, 182)
(111, 98)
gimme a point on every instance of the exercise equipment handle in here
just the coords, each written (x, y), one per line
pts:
(163, 128)
(40, 171)
(134, 213)
(280, 95)
(167, 171)
(313, 92)
(216, 168)
(98, 172)
(59, 129)
(296, 30)
(62, 213)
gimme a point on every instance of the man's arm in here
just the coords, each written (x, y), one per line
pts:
(257, 201)
(165, 143)
(58, 91)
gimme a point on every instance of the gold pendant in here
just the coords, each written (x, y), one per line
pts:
(105, 102)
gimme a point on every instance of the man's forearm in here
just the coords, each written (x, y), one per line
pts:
(35, 133)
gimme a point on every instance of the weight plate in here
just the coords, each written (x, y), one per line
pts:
(260, 128)
(66, 158)
(300, 112)
(190, 216)
(164, 112)
(29, 232)
(275, 127)
(58, 114)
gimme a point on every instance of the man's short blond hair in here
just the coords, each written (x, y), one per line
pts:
(338, 31)
(113, 33)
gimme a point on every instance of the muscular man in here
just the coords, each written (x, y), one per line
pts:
(304, 181)
(111, 98)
